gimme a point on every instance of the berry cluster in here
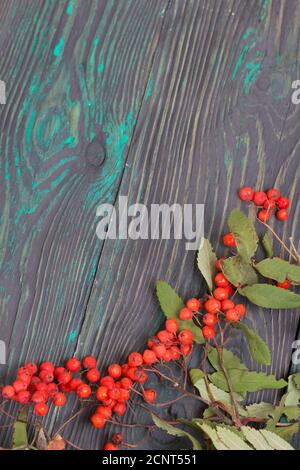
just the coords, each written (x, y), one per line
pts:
(269, 201)
(215, 307)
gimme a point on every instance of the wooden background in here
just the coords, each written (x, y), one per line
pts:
(160, 100)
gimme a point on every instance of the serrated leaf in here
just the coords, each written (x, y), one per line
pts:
(296, 380)
(20, 432)
(231, 361)
(267, 244)
(245, 381)
(174, 431)
(206, 260)
(255, 438)
(171, 304)
(279, 270)
(239, 272)
(259, 350)
(260, 410)
(287, 432)
(243, 230)
(213, 436)
(275, 441)
(293, 394)
(267, 296)
(57, 443)
(218, 394)
(231, 440)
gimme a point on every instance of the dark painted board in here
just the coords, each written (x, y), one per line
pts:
(209, 86)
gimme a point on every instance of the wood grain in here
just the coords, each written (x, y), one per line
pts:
(193, 100)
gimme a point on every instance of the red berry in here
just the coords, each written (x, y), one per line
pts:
(174, 353)
(241, 309)
(83, 391)
(274, 194)
(246, 193)
(109, 446)
(97, 420)
(24, 375)
(264, 215)
(89, 362)
(119, 409)
(46, 376)
(283, 203)
(73, 364)
(64, 378)
(159, 350)
(114, 393)
(167, 357)
(65, 388)
(185, 337)
(47, 366)
(117, 439)
(124, 395)
(227, 304)
(232, 315)
(8, 391)
(186, 349)
(193, 304)
(218, 263)
(52, 389)
(135, 359)
(171, 326)
(115, 371)
(93, 375)
(220, 293)
(282, 214)
(208, 332)
(209, 319)
(19, 385)
(229, 240)
(59, 399)
(107, 381)
(104, 411)
(31, 367)
(212, 305)
(269, 204)
(75, 383)
(284, 285)
(149, 357)
(221, 281)
(185, 314)
(23, 396)
(259, 198)
(141, 376)
(58, 371)
(150, 395)
(41, 409)
(165, 336)
(39, 397)
(126, 383)
(102, 393)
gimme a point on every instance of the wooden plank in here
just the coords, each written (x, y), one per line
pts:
(219, 115)
(76, 72)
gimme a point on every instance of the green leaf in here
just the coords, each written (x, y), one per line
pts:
(239, 272)
(259, 350)
(255, 438)
(245, 381)
(243, 230)
(293, 393)
(267, 244)
(213, 436)
(287, 432)
(296, 379)
(206, 260)
(20, 432)
(279, 270)
(171, 304)
(174, 431)
(260, 410)
(231, 440)
(275, 441)
(268, 296)
(231, 361)
(198, 381)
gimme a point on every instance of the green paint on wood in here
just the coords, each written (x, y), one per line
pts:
(73, 335)
(252, 75)
(70, 7)
(100, 68)
(59, 47)
(149, 89)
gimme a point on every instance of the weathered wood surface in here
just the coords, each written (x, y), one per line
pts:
(163, 101)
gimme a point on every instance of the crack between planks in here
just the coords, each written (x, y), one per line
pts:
(169, 2)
